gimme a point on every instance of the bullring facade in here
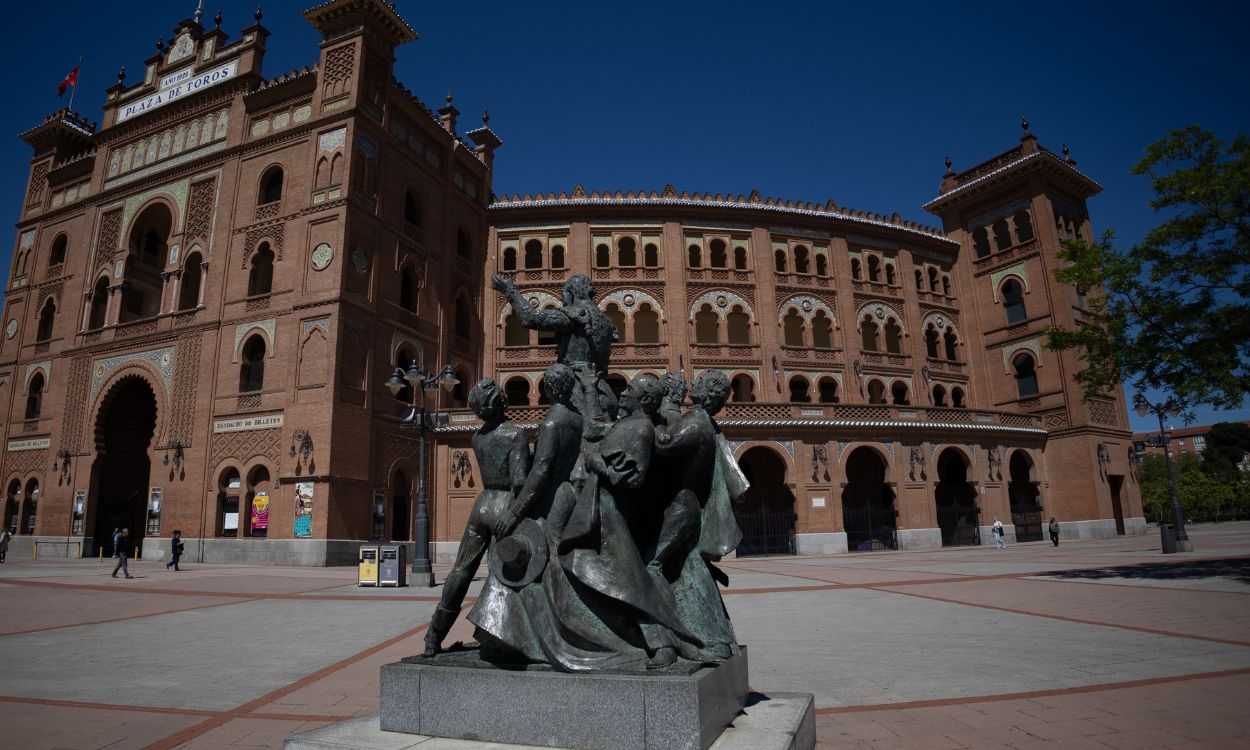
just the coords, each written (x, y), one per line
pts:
(209, 291)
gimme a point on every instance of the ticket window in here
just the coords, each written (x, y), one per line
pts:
(228, 501)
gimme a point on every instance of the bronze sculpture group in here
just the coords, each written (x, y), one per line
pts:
(601, 543)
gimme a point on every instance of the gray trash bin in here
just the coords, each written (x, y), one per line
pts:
(391, 568)
(1168, 532)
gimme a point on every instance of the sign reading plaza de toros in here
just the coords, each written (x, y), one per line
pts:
(177, 85)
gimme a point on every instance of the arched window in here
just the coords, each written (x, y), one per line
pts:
(889, 274)
(876, 392)
(695, 256)
(802, 263)
(828, 388)
(518, 391)
(513, 332)
(99, 304)
(740, 258)
(603, 257)
(404, 358)
(463, 320)
(30, 506)
(1002, 235)
(742, 389)
(931, 338)
(799, 390)
(868, 331)
(738, 325)
(192, 277)
(893, 336)
(822, 265)
(933, 279)
(618, 319)
(1024, 225)
(950, 339)
(706, 326)
(1013, 301)
(822, 331)
(946, 285)
(646, 325)
(260, 278)
(856, 270)
(957, 398)
(779, 259)
(270, 187)
(252, 371)
(408, 286)
(874, 268)
(59, 248)
(651, 256)
(981, 242)
(533, 254)
(919, 280)
(718, 255)
(464, 243)
(1026, 376)
(412, 209)
(626, 252)
(793, 325)
(899, 391)
(509, 259)
(34, 397)
(47, 316)
(146, 258)
(939, 395)
(557, 256)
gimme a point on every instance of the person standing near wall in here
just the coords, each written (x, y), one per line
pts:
(1054, 531)
(120, 540)
(998, 535)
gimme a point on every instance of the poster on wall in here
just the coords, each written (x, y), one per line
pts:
(303, 509)
(260, 511)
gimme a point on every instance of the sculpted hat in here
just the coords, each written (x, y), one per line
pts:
(519, 559)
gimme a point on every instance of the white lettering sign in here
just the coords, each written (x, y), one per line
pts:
(176, 89)
(29, 444)
(173, 79)
(258, 422)
(818, 502)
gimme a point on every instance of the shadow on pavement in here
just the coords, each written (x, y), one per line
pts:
(1234, 570)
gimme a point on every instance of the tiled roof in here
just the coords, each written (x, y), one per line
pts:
(1039, 154)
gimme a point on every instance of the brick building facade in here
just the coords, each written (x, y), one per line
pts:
(210, 288)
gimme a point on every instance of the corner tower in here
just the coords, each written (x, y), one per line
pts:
(1011, 215)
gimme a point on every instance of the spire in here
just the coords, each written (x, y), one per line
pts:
(199, 11)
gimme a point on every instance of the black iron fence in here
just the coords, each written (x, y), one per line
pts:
(959, 524)
(1028, 522)
(869, 529)
(766, 532)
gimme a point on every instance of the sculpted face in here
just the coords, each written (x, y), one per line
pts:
(486, 399)
(712, 391)
(629, 402)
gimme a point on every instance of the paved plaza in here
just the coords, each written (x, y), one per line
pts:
(1100, 644)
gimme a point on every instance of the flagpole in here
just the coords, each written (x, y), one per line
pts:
(74, 88)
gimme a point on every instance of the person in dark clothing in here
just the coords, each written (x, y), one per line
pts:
(120, 541)
(175, 549)
(1054, 531)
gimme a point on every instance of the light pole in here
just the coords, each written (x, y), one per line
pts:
(1167, 408)
(420, 380)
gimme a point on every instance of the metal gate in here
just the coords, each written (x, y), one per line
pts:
(766, 532)
(869, 529)
(1028, 521)
(959, 525)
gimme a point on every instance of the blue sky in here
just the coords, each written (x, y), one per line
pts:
(799, 100)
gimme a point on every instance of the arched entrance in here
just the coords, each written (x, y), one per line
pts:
(956, 499)
(1026, 505)
(123, 434)
(868, 512)
(765, 512)
(401, 494)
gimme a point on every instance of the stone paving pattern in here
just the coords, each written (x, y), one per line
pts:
(1098, 644)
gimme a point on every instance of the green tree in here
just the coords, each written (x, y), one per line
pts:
(1173, 312)
(1227, 446)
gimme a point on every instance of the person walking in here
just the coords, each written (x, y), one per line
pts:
(120, 540)
(998, 535)
(175, 549)
(5, 536)
(1054, 531)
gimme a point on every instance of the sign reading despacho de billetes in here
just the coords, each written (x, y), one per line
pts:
(29, 444)
(255, 422)
(178, 85)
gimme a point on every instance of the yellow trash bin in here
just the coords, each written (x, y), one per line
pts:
(368, 566)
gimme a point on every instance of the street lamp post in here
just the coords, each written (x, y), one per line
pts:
(1168, 408)
(420, 380)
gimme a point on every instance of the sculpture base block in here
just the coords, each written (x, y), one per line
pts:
(457, 695)
(779, 721)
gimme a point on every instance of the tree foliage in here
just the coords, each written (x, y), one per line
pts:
(1172, 313)
(1226, 447)
(1203, 497)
